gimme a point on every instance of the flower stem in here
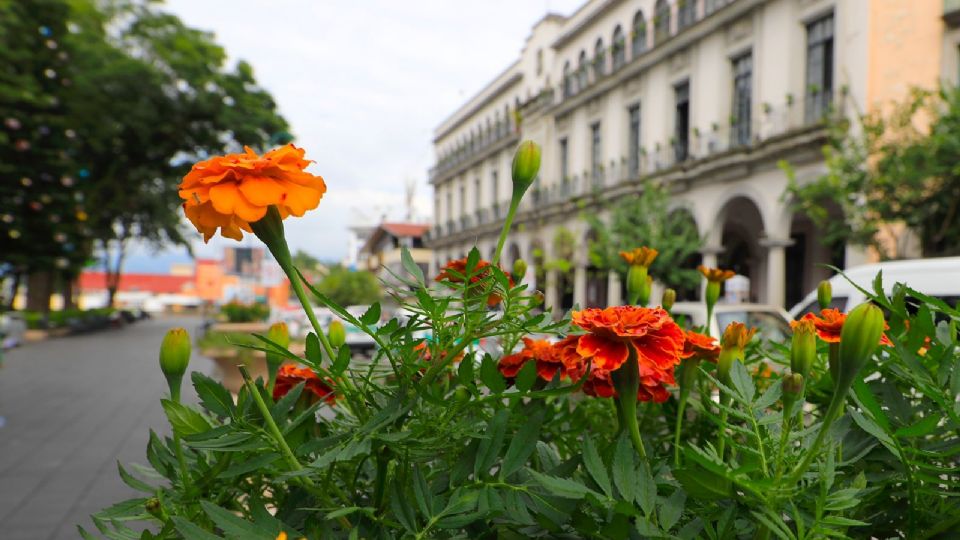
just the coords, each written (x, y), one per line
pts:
(507, 223)
(627, 381)
(722, 432)
(836, 404)
(681, 407)
(271, 425)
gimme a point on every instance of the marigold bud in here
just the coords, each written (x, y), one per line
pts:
(824, 294)
(519, 269)
(803, 347)
(174, 358)
(637, 285)
(712, 293)
(732, 344)
(337, 334)
(526, 165)
(669, 297)
(793, 385)
(859, 338)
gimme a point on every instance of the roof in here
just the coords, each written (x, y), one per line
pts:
(154, 283)
(399, 230)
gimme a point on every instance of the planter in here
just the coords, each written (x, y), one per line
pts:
(35, 335)
(227, 361)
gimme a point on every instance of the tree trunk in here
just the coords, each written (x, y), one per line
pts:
(39, 289)
(66, 290)
(113, 271)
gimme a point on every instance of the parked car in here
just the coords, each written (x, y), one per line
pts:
(938, 277)
(12, 327)
(772, 323)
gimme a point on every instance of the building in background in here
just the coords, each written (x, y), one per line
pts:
(706, 96)
(382, 250)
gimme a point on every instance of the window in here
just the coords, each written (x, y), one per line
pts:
(476, 192)
(740, 115)
(618, 48)
(661, 22)
(568, 81)
(495, 184)
(599, 60)
(539, 61)
(582, 71)
(463, 200)
(639, 34)
(564, 160)
(819, 90)
(686, 13)
(633, 152)
(681, 138)
(449, 206)
(596, 161)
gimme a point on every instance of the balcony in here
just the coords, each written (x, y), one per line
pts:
(500, 135)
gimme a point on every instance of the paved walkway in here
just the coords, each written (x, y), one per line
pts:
(72, 407)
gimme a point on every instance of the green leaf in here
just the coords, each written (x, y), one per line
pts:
(522, 446)
(134, 482)
(647, 494)
(191, 531)
(410, 266)
(868, 401)
(924, 427)
(422, 492)
(595, 466)
(346, 511)
(285, 403)
(213, 396)
(372, 315)
(491, 376)
(874, 429)
(742, 382)
(624, 472)
(672, 509)
(400, 506)
(491, 443)
(703, 484)
(234, 525)
(771, 396)
(527, 376)
(184, 420)
(465, 372)
(258, 463)
(562, 487)
(342, 361)
(313, 353)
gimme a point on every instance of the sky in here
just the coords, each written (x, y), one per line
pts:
(363, 84)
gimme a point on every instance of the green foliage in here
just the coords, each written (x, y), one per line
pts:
(58, 319)
(646, 220)
(350, 287)
(237, 312)
(895, 167)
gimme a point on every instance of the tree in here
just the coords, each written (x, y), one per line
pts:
(646, 220)
(305, 262)
(347, 287)
(894, 174)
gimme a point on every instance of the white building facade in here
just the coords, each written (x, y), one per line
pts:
(707, 96)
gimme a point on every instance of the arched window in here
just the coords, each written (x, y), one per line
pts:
(582, 71)
(638, 34)
(618, 48)
(599, 60)
(686, 13)
(568, 81)
(661, 22)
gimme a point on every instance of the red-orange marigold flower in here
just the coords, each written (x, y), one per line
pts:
(230, 192)
(716, 275)
(290, 376)
(641, 256)
(540, 351)
(700, 346)
(657, 340)
(830, 323)
(456, 270)
(736, 336)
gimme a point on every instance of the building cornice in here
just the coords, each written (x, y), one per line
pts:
(584, 24)
(461, 116)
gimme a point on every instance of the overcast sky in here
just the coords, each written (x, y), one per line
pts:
(363, 85)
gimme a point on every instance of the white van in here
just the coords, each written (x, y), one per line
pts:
(939, 277)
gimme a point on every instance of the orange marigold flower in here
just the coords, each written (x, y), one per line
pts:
(700, 346)
(830, 323)
(540, 351)
(736, 336)
(641, 256)
(455, 271)
(230, 192)
(716, 275)
(600, 384)
(657, 340)
(290, 376)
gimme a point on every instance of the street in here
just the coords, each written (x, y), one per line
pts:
(71, 408)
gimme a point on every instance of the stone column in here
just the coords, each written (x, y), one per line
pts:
(613, 289)
(776, 269)
(551, 295)
(580, 286)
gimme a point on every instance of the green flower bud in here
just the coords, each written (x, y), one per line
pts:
(538, 298)
(519, 269)
(461, 395)
(792, 391)
(337, 334)
(279, 334)
(824, 294)
(859, 338)
(712, 293)
(637, 285)
(174, 358)
(669, 297)
(526, 165)
(154, 508)
(725, 362)
(803, 347)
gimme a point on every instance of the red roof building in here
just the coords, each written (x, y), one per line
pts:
(151, 283)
